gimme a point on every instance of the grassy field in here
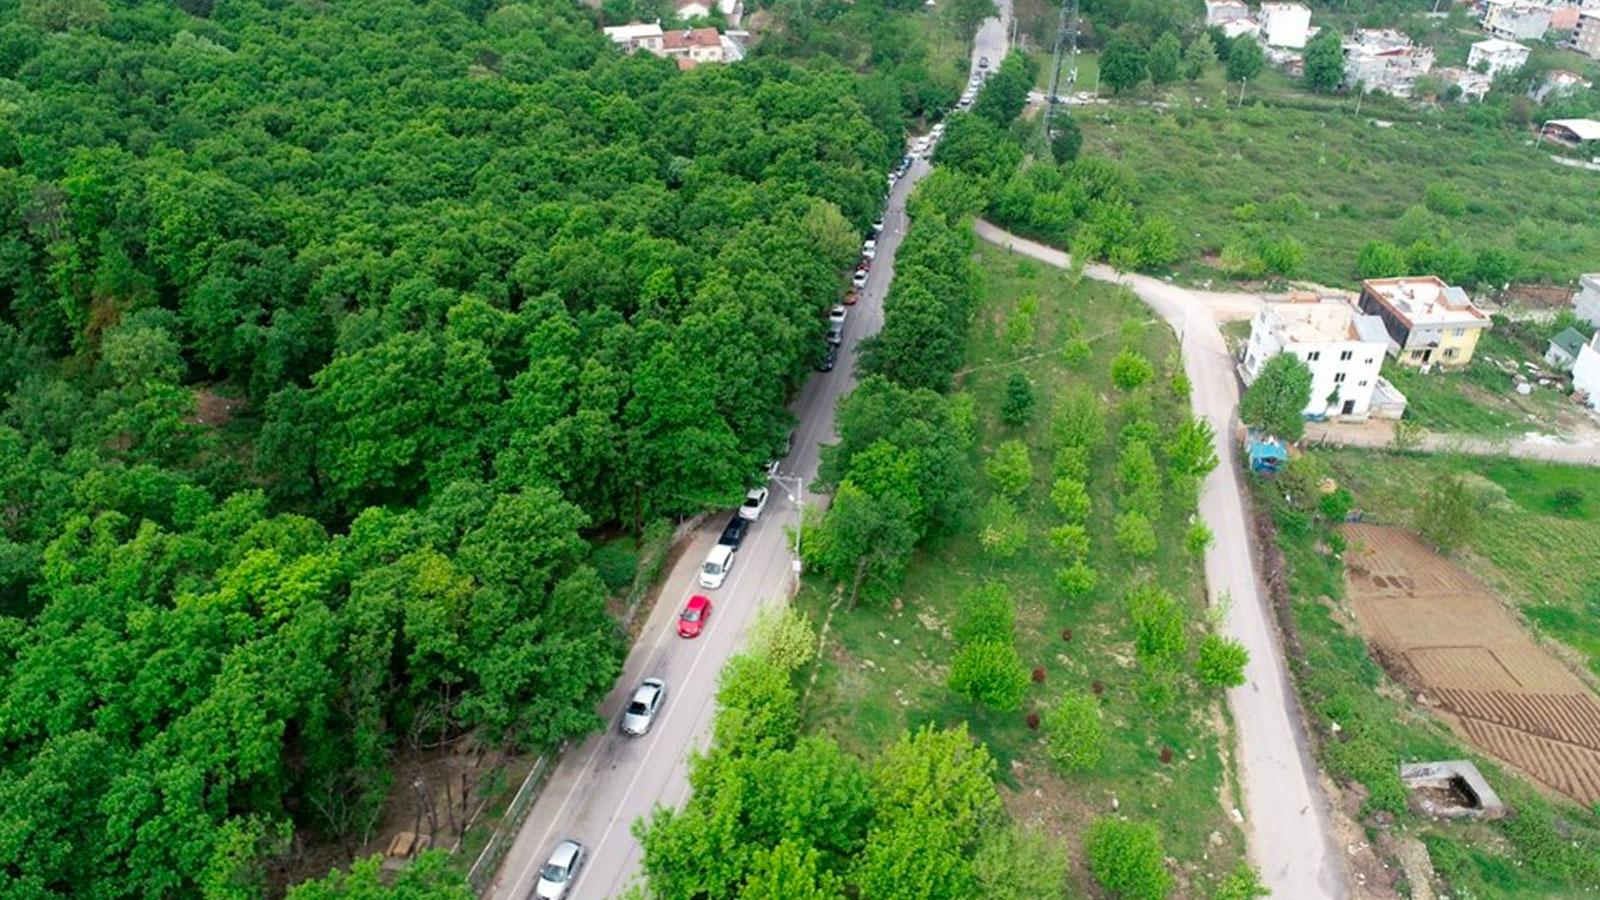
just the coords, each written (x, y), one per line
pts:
(883, 668)
(1482, 399)
(1224, 174)
(1540, 549)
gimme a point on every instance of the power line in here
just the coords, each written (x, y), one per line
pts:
(1066, 51)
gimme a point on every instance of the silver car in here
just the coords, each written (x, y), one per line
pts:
(642, 708)
(558, 874)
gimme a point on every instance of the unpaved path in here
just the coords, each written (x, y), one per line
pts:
(1579, 449)
(1286, 820)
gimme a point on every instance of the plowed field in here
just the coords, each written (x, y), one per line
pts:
(1452, 639)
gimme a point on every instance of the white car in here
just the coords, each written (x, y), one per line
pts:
(642, 707)
(756, 500)
(559, 871)
(859, 279)
(877, 226)
(869, 250)
(719, 562)
(922, 144)
(837, 314)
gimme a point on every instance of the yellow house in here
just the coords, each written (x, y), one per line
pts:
(1429, 322)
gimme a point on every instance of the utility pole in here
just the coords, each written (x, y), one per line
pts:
(797, 496)
(1066, 51)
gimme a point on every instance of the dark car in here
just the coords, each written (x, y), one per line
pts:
(733, 534)
(829, 357)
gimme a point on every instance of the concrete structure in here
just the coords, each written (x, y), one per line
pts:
(1496, 56)
(1285, 24)
(1563, 349)
(1572, 132)
(1452, 788)
(1586, 372)
(1472, 85)
(1587, 302)
(1556, 83)
(636, 36)
(1343, 348)
(692, 9)
(1240, 27)
(1429, 322)
(1516, 20)
(1221, 12)
(1586, 34)
(1384, 60)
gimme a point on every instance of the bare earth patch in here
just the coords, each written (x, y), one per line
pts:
(1440, 631)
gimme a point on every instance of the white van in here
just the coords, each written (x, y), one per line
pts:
(719, 562)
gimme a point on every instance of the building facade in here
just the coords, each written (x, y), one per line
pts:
(1586, 34)
(1586, 372)
(1384, 60)
(1221, 12)
(1587, 303)
(1285, 25)
(1516, 20)
(1343, 348)
(1496, 56)
(1428, 322)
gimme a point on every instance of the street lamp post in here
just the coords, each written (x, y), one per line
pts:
(794, 486)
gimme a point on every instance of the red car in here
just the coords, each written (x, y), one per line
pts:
(694, 616)
(850, 299)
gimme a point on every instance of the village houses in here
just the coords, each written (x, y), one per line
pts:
(1383, 59)
(1494, 57)
(1428, 322)
(1343, 348)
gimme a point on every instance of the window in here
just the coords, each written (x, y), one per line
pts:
(1450, 353)
(1313, 356)
(1345, 356)
(1361, 383)
(1457, 332)
(1339, 378)
(1369, 360)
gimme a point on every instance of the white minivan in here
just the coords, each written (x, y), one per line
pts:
(719, 562)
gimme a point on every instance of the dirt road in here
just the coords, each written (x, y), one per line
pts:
(1286, 815)
(1578, 450)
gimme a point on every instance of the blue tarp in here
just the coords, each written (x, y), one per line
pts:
(1267, 453)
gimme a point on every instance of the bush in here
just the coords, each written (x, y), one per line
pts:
(1139, 478)
(1447, 515)
(1016, 409)
(1010, 470)
(1002, 532)
(1076, 352)
(1160, 641)
(1071, 541)
(1074, 734)
(1336, 504)
(1076, 580)
(1197, 539)
(1135, 535)
(615, 562)
(1072, 462)
(1243, 883)
(986, 614)
(1126, 858)
(783, 635)
(1071, 499)
(1221, 662)
(990, 673)
(1130, 370)
(1079, 420)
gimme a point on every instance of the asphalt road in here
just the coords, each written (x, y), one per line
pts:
(1286, 822)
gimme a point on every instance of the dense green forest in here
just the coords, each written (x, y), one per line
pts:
(328, 334)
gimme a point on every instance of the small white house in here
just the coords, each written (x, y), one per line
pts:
(1285, 24)
(636, 36)
(1564, 348)
(1495, 56)
(1586, 371)
(1343, 348)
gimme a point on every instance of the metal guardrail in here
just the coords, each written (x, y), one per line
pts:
(483, 868)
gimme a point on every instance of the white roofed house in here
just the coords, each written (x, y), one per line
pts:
(1221, 12)
(636, 36)
(1343, 348)
(693, 9)
(1495, 56)
(1575, 133)
(1429, 322)
(1471, 85)
(1516, 20)
(1382, 59)
(1285, 25)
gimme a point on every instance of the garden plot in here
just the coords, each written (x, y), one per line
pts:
(1441, 631)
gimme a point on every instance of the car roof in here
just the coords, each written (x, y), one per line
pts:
(564, 852)
(653, 685)
(719, 553)
(698, 601)
(755, 492)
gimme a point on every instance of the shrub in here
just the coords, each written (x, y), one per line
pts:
(784, 636)
(1160, 641)
(1130, 370)
(1336, 504)
(986, 614)
(1016, 409)
(964, 418)
(1010, 470)
(1135, 535)
(1139, 478)
(1074, 733)
(1192, 450)
(1071, 499)
(1071, 541)
(1220, 662)
(1447, 514)
(615, 562)
(1127, 858)
(1076, 580)
(1020, 329)
(1197, 539)
(1076, 352)
(990, 673)
(1079, 419)
(1003, 532)
(1072, 462)
(1244, 883)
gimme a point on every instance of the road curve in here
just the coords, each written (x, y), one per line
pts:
(601, 786)
(1286, 823)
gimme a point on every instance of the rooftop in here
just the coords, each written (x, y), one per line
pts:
(1585, 129)
(1320, 322)
(1496, 45)
(1426, 300)
(1570, 340)
(633, 31)
(690, 37)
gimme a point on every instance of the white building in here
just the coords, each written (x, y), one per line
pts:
(1384, 60)
(1221, 12)
(1240, 27)
(1495, 56)
(1586, 34)
(1285, 24)
(1343, 348)
(1587, 303)
(1586, 371)
(1473, 85)
(636, 36)
(1516, 20)
(1558, 82)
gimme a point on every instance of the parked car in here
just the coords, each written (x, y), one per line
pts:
(733, 532)
(851, 297)
(836, 333)
(877, 226)
(830, 356)
(754, 502)
(869, 249)
(837, 314)
(719, 562)
(905, 164)
(641, 711)
(694, 616)
(559, 871)
(922, 144)
(893, 177)
(859, 279)
(983, 62)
